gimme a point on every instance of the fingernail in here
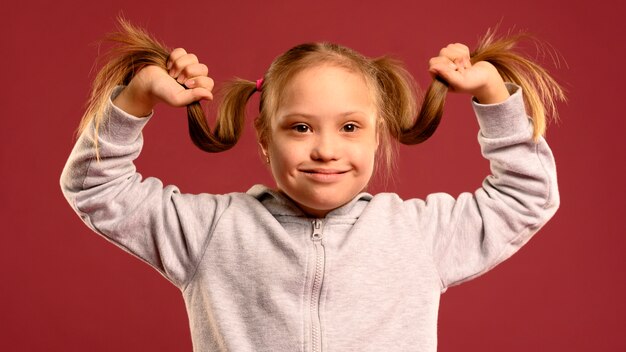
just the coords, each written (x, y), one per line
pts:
(190, 83)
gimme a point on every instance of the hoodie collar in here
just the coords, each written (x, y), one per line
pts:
(278, 203)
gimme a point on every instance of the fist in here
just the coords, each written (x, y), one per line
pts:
(480, 79)
(186, 80)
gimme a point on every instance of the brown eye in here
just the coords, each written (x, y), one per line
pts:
(301, 128)
(350, 127)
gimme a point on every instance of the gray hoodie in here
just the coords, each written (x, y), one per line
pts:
(257, 274)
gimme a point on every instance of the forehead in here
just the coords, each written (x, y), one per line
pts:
(327, 88)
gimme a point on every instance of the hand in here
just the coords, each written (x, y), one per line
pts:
(152, 85)
(480, 79)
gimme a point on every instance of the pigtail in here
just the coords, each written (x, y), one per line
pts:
(397, 93)
(231, 115)
(133, 48)
(398, 105)
(429, 115)
(541, 91)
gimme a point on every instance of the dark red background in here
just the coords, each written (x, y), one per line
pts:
(66, 289)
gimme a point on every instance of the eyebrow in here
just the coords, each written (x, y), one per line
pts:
(311, 116)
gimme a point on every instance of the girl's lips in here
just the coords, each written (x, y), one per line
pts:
(324, 171)
(324, 175)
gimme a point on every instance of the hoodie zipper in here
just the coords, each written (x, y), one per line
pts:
(318, 278)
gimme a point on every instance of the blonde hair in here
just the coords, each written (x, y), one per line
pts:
(393, 86)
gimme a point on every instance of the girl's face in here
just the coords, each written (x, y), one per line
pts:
(323, 138)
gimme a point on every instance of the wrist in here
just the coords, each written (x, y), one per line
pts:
(134, 101)
(493, 92)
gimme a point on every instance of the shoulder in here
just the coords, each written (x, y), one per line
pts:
(394, 200)
(394, 203)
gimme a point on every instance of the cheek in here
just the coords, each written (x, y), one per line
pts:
(283, 158)
(364, 156)
(369, 147)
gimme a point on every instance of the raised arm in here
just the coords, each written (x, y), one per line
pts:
(476, 231)
(162, 227)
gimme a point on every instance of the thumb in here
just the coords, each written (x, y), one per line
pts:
(180, 96)
(450, 77)
(190, 95)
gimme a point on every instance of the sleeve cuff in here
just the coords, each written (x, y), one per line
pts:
(122, 127)
(503, 119)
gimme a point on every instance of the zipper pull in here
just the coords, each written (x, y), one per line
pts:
(317, 230)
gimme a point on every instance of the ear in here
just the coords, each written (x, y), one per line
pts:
(379, 129)
(266, 154)
(263, 147)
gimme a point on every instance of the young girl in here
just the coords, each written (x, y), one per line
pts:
(315, 263)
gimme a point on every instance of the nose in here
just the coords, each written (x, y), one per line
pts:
(325, 148)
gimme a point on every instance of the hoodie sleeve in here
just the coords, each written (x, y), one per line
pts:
(476, 231)
(159, 225)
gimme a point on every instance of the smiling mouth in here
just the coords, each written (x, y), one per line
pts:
(324, 175)
(324, 171)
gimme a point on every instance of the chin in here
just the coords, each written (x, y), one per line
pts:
(323, 206)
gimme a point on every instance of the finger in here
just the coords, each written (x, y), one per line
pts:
(174, 55)
(440, 60)
(463, 55)
(463, 59)
(200, 82)
(447, 70)
(456, 50)
(188, 96)
(451, 78)
(460, 48)
(457, 53)
(439, 64)
(451, 52)
(450, 55)
(180, 63)
(444, 70)
(193, 70)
